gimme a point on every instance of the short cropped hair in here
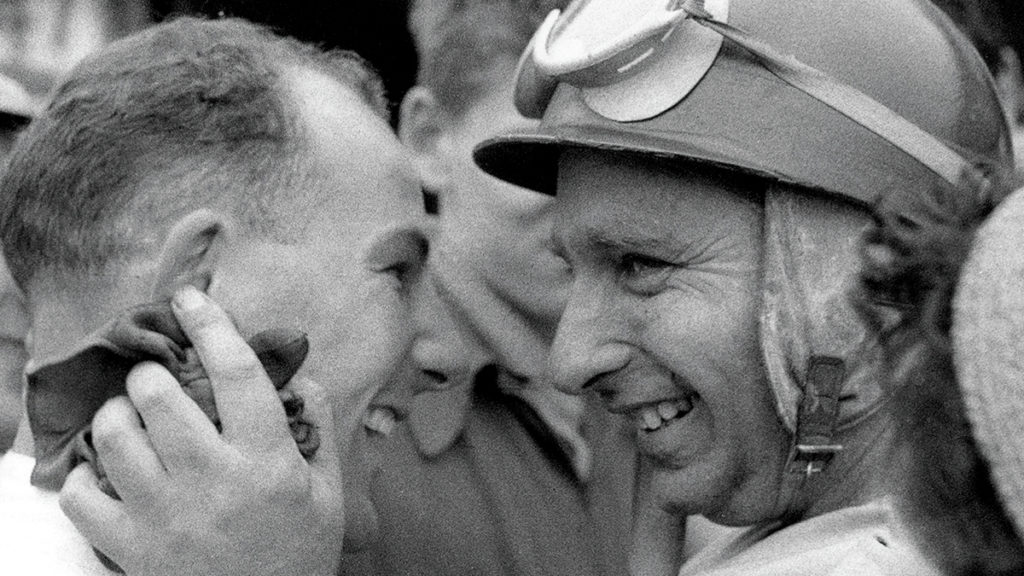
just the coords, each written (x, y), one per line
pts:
(459, 41)
(190, 111)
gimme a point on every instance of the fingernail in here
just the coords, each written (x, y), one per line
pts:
(189, 298)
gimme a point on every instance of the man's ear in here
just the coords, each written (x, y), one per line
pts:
(422, 127)
(191, 252)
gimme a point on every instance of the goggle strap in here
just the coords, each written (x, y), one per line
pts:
(848, 101)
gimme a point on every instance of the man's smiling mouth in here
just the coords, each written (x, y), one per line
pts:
(652, 417)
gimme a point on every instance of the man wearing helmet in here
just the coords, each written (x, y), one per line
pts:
(711, 191)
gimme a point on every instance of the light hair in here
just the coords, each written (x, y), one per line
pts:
(186, 111)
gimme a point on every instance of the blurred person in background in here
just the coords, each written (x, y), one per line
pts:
(501, 474)
(40, 40)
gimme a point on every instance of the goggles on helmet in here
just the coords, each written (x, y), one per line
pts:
(666, 49)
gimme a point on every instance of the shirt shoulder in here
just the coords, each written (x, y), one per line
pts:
(35, 536)
(862, 540)
(887, 553)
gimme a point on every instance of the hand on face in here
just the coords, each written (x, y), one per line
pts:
(197, 502)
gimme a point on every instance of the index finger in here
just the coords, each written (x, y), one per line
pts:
(249, 408)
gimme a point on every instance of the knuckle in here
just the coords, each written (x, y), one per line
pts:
(73, 494)
(207, 323)
(108, 429)
(204, 321)
(184, 533)
(241, 368)
(148, 385)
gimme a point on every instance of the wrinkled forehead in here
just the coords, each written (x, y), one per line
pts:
(605, 195)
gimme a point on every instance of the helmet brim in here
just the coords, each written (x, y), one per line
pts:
(13, 120)
(530, 159)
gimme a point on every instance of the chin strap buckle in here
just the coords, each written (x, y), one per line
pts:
(813, 448)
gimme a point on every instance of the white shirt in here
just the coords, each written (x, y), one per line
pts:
(35, 536)
(865, 540)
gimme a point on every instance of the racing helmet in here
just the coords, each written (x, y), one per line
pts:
(672, 85)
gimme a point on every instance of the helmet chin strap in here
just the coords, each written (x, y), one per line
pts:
(813, 445)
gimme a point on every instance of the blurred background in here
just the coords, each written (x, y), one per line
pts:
(41, 39)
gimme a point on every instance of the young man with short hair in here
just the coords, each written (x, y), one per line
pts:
(213, 161)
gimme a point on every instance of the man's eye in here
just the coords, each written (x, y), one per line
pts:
(401, 257)
(634, 265)
(644, 274)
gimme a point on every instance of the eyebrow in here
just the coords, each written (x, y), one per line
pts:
(595, 236)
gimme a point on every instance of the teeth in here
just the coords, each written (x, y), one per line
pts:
(651, 418)
(667, 410)
(380, 420)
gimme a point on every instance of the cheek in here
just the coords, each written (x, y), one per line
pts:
(365, 341)
(711, 342)
(711, 323)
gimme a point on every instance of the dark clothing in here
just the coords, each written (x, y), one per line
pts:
(502, 499)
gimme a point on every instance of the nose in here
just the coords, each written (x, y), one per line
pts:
(589, 342)
(442, 353)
